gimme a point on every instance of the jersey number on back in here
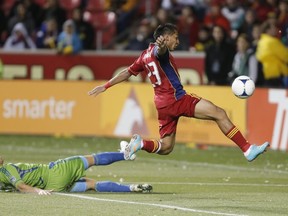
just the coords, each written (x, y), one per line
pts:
(153, 74)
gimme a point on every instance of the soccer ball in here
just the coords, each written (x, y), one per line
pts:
(243, 87)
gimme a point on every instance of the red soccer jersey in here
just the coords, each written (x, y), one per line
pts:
(163, 74)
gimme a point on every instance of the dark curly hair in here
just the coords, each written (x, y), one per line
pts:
(167, 28)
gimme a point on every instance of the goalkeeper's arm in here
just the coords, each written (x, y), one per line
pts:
(24, 188)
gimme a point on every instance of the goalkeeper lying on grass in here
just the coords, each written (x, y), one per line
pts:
(64, 175)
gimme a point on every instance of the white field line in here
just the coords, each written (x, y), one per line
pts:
(150, 204)
(219, 166)
(218, 184)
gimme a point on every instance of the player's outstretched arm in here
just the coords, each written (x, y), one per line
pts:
(24, 188)
(122, 76)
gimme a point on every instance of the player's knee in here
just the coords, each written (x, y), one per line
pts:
(80, 186)
(167, 152)
(166, 149)
(221, 113)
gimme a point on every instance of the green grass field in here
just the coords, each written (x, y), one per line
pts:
(190, 181)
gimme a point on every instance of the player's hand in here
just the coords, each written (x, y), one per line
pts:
(161, 42)
(44, 192)
(97, 90)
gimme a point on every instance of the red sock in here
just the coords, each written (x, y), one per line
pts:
(151, 146)
(236, 136)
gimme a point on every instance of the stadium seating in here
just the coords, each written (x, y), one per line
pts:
(7, 6)
(147, 7)
(104, 23)
(41, 3)
(69, 4)
(95, 5)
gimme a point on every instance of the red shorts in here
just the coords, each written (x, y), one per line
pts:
(168, 116)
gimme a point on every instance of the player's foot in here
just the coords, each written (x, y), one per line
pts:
(133, 146)
(123, 145)
(141, 188)
(254, 151)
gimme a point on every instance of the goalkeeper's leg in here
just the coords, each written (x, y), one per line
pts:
(102, 159)
(85, 184)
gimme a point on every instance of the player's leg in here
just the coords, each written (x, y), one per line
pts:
(168, 120)
(167, 144)
(86, 184)
(102, 159)
(205, 109)
(163, 146)
(80, 186)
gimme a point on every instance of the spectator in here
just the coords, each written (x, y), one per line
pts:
(171, 5)
(142, 38)
(214, 17)
(23, 16)
(219, 58)
(245, 62)
(19, 39)
(84, 29)
(35, 10)
(68, 41)
(199, 7)
(188, 28)
(263, 8)
(256, 33)
(250, 20)
(46, 37)
(204, 39)
(273, 55)
(282, 19)
(3, 26)
(52, 9)
(162, 16)
(272, 18)
(176, 6)
(126, 11)
(235, 14)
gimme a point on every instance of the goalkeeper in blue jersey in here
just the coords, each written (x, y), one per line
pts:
(64, 175)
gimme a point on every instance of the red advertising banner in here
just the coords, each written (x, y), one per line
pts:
(89, 65)
(268, 117)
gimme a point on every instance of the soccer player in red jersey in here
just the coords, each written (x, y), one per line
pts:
(171, 100)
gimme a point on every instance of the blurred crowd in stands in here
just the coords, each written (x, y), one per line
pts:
(239, 37)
